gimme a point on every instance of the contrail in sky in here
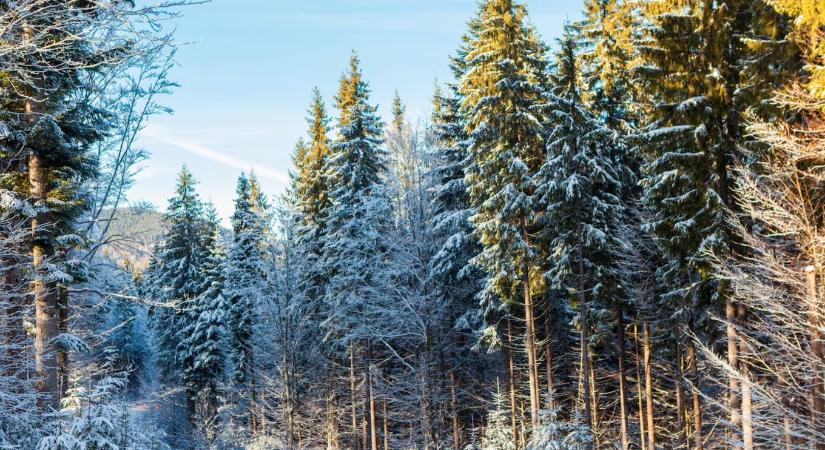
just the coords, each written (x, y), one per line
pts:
(208, 153)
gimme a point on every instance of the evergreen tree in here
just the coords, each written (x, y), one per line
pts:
(501, 88)
(579, 190)
(202, 355)
(244, 275)
(498, 435)
(311, 194)
(177, 275)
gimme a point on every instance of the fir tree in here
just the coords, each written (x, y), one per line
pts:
(202, 355)
(311, 195)
(498, 435)
(360, 210)
(177, 275)
(244, 274)
(501, 88)
(579, 190)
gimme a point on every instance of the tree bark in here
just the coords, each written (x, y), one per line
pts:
(734, 403)
(45, 293)
(622, 383)
(511, 378)
(747, 401)
(386, 428)
(680, 394)
(817, 354)
(373, 428)
(454, 413)
(548, 359)
(697, 400)
(639, 388)
(530, 335)
(651, 431)
(353, 397)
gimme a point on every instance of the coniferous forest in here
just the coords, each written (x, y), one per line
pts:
(614, 240)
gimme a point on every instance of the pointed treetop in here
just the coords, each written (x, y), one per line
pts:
(398, 113)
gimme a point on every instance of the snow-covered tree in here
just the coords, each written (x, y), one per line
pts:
(203, 334)
(500, 90)
(244, 284)
(579, 188)
(498, 435)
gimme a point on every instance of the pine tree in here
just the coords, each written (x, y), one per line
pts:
(579, 188)
(48, 131)
(311, 194)
(202, 355)
(357, 242)
(178, 277)
(500, 89)
(498, 435)
(243, 274)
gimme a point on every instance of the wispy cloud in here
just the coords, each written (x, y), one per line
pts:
(214, 155)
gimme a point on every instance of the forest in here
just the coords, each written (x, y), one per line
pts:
(615, 240)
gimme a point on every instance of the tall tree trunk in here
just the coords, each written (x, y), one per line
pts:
(386, 427)
(678, 379)
(45, 292)
(373, 428)
(639, 388)
(747, 401)
(63, 327)
(454, 413)
(622, 382)
(697, 400)
(817, 354)
(511, 377)
(651, 430)
(530, 335)
(585, 324)
(332, 443)
(353, 397)
(734, 403)
(548, 360)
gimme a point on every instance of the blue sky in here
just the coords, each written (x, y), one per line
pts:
(249, 67)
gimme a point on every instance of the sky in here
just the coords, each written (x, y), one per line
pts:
(246, 70)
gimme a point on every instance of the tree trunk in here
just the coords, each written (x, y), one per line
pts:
(63, 327)
(817, 388)
(622, 384)
(585, 324)
(511, 378)
(734, 403)
(639, 388)
(651, 431)
(548, 359)
(373, 428)
(747, 401)
(697, 400)
(680, 394)
(530, 336)
(353, 397)
(45, 292)
(454, 413)
(386, 428)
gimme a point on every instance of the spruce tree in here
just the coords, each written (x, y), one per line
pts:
(579, 190)
(244, 272)
(501, 88)
(498, 435)
(311, 194)
(177, 275)
(201, 349)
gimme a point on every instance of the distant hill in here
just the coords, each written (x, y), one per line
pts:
(132, 234)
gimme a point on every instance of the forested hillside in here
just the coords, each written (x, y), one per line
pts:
(609, 241)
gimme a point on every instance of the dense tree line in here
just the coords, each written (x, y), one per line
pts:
(610, 242)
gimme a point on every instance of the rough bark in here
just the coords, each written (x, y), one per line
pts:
(651, 430)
